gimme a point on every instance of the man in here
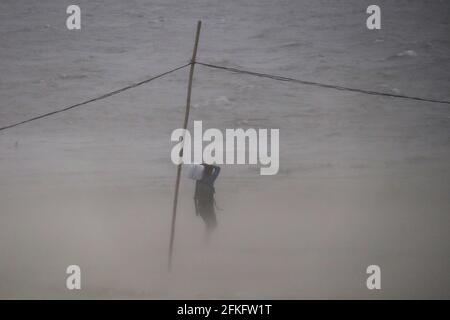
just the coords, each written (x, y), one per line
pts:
(204, 197)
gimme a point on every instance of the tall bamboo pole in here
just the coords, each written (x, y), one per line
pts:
(185, 123)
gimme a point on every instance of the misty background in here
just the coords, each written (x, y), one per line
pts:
(363, 179)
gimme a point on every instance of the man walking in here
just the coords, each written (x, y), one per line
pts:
(204, 197)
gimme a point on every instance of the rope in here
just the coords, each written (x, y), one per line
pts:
(235, 70)
(318, 84)
(104, 96)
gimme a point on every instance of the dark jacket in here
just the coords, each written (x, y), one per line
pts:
(204, 188)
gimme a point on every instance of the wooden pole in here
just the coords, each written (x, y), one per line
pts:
(185, 123)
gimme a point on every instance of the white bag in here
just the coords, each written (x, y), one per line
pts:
(196, 171)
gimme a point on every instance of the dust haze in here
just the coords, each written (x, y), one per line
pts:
(363, 179)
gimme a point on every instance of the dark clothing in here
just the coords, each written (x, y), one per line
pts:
(205, 186)
(206, 211)
(204, 197)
